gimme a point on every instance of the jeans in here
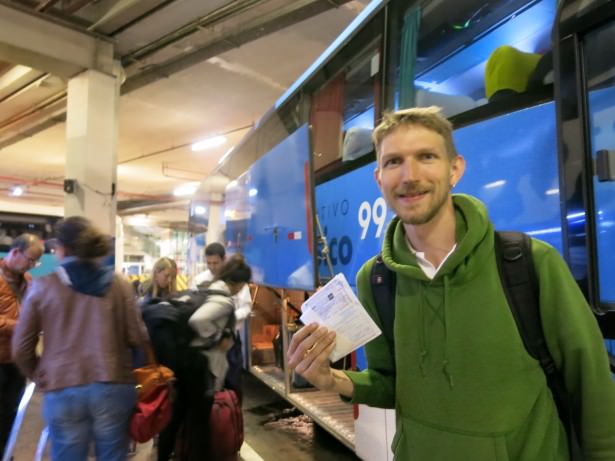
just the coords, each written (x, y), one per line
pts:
(11, 388)
(98, 412)
(233, 379)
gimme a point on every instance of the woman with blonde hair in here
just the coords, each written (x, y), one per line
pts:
(91, 325)
(163, 283)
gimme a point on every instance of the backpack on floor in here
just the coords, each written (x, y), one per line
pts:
(226, 426)
(518, 276)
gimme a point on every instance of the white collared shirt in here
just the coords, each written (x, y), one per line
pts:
(427, 267)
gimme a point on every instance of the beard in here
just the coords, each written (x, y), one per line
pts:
(436, 200)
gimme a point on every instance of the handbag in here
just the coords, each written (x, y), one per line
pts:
(154, 406)
(149, 377)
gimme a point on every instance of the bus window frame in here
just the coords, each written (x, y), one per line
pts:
(576, 169)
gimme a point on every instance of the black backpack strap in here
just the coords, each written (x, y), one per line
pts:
(383, 290)
(518, 275)
(520, 283)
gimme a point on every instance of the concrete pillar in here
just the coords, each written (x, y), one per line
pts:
(91, 148)
(212, 193)
(214, 228)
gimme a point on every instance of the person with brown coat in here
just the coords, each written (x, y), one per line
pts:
(14, 281)
(91, 324)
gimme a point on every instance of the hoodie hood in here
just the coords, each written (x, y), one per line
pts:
(86, 277)
(472, 229)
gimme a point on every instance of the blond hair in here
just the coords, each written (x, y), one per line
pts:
(430, 118)
(151, 287)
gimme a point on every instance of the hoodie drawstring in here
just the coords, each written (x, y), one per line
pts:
(445, 369)
(422, 341)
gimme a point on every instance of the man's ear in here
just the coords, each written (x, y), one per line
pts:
(377, 172)
(458, 167)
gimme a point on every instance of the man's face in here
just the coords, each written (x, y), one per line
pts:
(415, 173)
(214, 264)
(22, 261)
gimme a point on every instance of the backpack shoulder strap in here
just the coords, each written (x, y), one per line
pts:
(383, 281)
(518, 275)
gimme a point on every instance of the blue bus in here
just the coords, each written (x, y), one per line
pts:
(530, 89)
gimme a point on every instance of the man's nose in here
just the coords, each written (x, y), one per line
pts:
(410, 171)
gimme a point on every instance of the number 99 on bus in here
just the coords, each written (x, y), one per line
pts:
(376, 213)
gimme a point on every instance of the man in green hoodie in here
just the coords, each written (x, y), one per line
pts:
(461, 381)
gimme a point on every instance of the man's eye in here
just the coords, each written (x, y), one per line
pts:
(392, 161)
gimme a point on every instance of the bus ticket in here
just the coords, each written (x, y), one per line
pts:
(336, 307)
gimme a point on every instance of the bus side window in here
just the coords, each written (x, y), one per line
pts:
(326, 119)
(467, 56)
(342, 112)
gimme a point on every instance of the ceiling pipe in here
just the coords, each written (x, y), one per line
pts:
(44, 5)
(154, 207)
(77, 6)
(236, 7)
(33, 182)
(142, 17)
(115, 10)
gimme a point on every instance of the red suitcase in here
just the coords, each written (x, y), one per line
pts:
(226, 422)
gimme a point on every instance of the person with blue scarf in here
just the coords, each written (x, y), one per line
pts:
(91, 325)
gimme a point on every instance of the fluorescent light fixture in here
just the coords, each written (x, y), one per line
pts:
(138, 220)
(232, 184)
(16, 191)
(552, 192)
(199, 209)
(186, 189)
(253, 192)
(494, 184)
(208, 143)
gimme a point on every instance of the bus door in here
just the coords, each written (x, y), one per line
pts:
(585, 93)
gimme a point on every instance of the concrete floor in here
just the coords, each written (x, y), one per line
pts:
(274, 431)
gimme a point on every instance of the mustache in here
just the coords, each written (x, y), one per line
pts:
(411, 188)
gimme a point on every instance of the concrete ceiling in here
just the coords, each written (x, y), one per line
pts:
(194, 69)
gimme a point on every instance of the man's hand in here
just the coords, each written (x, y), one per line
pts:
(308, 355)
(225, 344)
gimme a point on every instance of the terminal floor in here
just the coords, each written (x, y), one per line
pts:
(274, 431)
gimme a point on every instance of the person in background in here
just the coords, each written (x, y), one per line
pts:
(215, 256)
(214, 323)
(163, 283)
(24, 253)
(461, 382)
(91, 325)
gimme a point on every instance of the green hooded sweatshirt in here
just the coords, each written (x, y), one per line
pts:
(463, 385)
